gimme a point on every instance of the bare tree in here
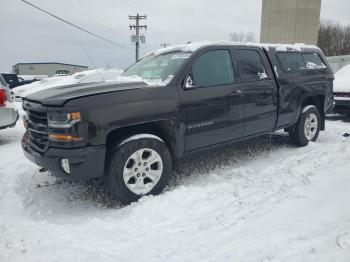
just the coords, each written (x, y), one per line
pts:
(242, 37)
(334, 38)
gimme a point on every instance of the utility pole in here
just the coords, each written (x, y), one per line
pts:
(137, 38)
(164, 45)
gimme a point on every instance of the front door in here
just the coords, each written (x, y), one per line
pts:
(206, 106)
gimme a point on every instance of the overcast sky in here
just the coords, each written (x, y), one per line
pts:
(28, 35)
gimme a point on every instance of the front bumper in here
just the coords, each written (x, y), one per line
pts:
(85, 163)
(342, 106)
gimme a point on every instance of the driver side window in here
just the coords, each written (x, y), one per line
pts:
(213, 68)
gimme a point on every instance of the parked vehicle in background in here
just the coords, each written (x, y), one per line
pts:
(25, 82)
(11, 80)
(8, 112)
(172, 103)
(89, 76)
(342, 91)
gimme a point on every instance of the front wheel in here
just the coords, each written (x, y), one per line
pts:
(307, 128)
(139, 166)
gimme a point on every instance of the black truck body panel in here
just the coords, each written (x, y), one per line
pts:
(195, 119)
(296, 87)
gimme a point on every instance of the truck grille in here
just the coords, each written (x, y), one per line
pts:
(37, 126)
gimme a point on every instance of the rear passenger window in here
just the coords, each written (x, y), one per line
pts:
(313, 61)
(213, 68)
(291, 61)
(251, 66)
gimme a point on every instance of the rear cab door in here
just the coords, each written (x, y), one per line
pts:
(257, 82)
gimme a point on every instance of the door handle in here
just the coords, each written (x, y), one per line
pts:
(236, 92)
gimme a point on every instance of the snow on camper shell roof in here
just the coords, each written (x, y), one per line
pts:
(192, 47)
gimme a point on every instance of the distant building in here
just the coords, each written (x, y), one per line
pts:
(49, 69)
(290, 21)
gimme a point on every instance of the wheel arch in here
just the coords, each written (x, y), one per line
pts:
(164, 129)
(318, 101)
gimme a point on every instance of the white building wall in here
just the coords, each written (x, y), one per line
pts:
(49, 69)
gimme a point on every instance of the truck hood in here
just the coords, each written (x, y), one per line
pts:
(57, 96)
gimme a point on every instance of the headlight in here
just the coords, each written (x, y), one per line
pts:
(63, 120)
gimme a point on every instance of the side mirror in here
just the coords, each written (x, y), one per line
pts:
(188, 83)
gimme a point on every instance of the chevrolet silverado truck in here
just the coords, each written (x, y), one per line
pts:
(134, 131)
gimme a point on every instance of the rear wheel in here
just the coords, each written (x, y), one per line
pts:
(307, 128)
(140, 166)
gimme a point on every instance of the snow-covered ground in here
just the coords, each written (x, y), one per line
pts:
(261, 200)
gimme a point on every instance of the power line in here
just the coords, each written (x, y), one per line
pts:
(128, 5)
(78, 27)
(131, 5)
(90, 17)
(119, 6)
(136, 5)
(91, 61)
(87, 15)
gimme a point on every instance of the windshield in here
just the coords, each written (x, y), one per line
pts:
(160, 69)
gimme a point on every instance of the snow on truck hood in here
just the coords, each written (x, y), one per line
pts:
(58, 95)
(84, 77)
(135, 78)
(342, 80)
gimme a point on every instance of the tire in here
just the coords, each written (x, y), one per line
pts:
(129, 176)
(307, 128)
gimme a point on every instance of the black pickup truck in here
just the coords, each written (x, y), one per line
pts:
(176, 101)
